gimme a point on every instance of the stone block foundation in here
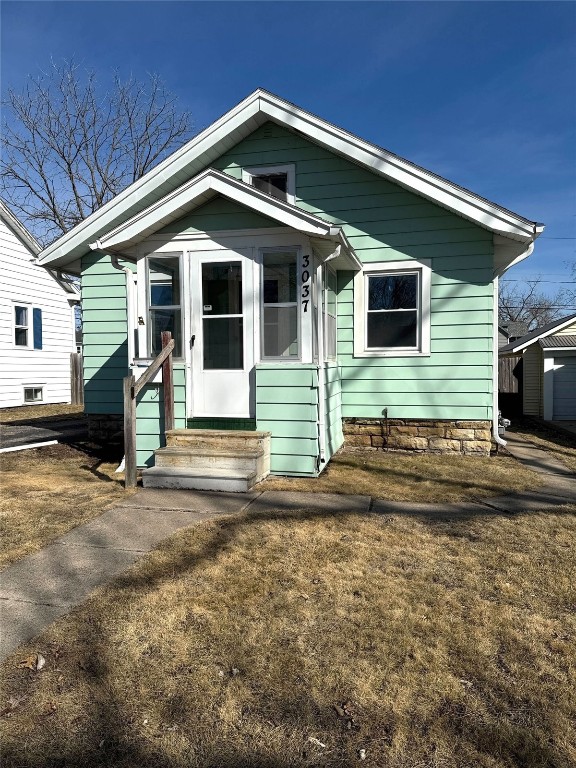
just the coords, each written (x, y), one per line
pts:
(472, 438)
(106, 428)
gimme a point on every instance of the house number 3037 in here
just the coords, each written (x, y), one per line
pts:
(305, 281)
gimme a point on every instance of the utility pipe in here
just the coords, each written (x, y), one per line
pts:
(130, 314)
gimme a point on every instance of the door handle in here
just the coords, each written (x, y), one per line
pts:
(192, 340)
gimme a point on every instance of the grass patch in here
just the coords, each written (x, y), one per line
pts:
(30, 413)
(413, 477)
(559, 444)
(254, 640)
(47, 491)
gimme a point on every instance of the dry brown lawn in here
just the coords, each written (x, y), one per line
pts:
(414, 477)
(47, 491)
(32, 412)
(295, 639)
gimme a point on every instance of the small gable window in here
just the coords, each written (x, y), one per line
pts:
(275, 180)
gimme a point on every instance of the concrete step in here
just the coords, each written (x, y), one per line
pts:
(217, 439)
(198, 479)
(242, 460)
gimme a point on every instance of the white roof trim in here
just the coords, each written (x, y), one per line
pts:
(19, 229)
(198, 191)
(253, 111)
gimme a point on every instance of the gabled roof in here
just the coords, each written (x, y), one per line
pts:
(19, 229)
(258, 108)
(539, 333)
(205, 187)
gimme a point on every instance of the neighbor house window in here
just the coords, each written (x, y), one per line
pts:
(392, 309)
(21, 325)
(27, 326)
(276, 180)
(164, 301)
(280, 304)
(33, 394)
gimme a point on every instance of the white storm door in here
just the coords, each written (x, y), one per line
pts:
(222, 293)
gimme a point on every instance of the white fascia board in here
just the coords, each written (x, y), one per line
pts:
(113, 210)
(404, 173)
(197, 191)
(19, 229)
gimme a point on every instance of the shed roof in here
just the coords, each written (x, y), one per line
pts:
(540, 333)
(558, 342)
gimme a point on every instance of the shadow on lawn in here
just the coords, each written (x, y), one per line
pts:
(106, 736)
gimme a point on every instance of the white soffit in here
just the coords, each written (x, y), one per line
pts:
(242, 120)
(200, 190)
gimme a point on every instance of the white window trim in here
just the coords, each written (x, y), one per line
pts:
(391, 267)
(41, 387)
(289, 170)
(328, 356)
(144, 296)
(260, 310)
(29, 326)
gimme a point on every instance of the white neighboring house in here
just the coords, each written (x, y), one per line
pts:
(37, 321)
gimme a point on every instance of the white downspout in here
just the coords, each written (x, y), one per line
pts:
(130, 306)
(321, 372)
(497, 439)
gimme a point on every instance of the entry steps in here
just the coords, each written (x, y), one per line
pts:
(210, 460)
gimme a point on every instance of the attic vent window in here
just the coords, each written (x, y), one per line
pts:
(279, 181)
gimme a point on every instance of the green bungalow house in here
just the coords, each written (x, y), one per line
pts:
(319, 289)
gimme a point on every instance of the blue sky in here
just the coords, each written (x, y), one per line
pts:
(483, 93)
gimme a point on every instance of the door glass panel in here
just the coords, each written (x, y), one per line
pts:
(222, 288)
(222, 324)
(223, 343)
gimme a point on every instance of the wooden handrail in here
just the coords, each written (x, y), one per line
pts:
(153, 368)
(131, 390)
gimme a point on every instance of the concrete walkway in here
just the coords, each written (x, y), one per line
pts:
(42, 587)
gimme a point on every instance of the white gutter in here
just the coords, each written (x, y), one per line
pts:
(321, 360)
(130, 306)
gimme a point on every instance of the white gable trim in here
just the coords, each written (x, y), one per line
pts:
(198, 191)
(19, 229)
(534, 336)
(256, 109)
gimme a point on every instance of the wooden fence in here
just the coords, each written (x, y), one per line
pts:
(76, 379)
(510, 374)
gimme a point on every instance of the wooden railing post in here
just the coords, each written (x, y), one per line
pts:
(168, 382)
(129, 432)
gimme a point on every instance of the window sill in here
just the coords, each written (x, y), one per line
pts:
(391, 353)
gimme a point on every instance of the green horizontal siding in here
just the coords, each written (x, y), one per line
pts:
(150, 426)
(105, 348)
(287, 406)
(333, 405)
(219, 214)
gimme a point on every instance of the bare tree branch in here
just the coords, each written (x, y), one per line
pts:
(68, 147)
(528, 304)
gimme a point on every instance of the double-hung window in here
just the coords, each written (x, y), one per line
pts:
(392, 309)
(164, 300)
(27, 326)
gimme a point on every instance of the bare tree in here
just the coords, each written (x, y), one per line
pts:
(68, 147)
(526, 302)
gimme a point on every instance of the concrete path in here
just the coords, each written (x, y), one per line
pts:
(42, 587)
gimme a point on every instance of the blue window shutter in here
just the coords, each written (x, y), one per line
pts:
(37, 320)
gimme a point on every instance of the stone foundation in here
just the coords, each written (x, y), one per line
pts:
(106, 428)
(472, 438)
